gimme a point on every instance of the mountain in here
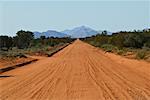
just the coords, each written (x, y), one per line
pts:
(50, 33)
(80, 32)
(37, 35)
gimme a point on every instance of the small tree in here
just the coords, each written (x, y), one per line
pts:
(135, 40)
(104, 33)
(24, 39)
(5, 42)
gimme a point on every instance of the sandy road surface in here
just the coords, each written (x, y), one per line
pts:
(79, 72)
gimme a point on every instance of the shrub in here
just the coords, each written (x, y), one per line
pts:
(120, 52)
(141, 54)
(109, 47)
(12, 54)
(20, 55)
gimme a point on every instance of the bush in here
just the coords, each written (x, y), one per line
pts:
(147, 44)
(12, 54)
(141, 54)
(109, 47)
(20, 55)
(120, 52)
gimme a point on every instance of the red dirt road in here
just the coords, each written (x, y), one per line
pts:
(79, 72)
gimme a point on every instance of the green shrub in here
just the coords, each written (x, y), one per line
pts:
(120, 52)
(109, 47)
(141, 54)
(12, 54)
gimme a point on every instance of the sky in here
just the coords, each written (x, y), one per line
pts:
(43, 15)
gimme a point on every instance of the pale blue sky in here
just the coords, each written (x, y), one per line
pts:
(60, 15)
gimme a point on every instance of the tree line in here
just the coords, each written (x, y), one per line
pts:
(128, 39)
(25, 39)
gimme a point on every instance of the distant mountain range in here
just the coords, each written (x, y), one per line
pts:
(80, 32)
(50, 33)
(77, 32)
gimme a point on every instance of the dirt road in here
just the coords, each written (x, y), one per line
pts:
(79, 72)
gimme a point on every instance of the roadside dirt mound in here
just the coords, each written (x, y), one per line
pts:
(78, 72)
(5, 62)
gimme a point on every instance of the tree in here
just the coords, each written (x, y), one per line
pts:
(117, 39)
(5, 42)
(146, 34)
(43, 40)
(135, 40)
(24, 39)
(104, 33)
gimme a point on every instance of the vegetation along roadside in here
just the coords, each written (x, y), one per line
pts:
(19, 49)
(131, 44)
